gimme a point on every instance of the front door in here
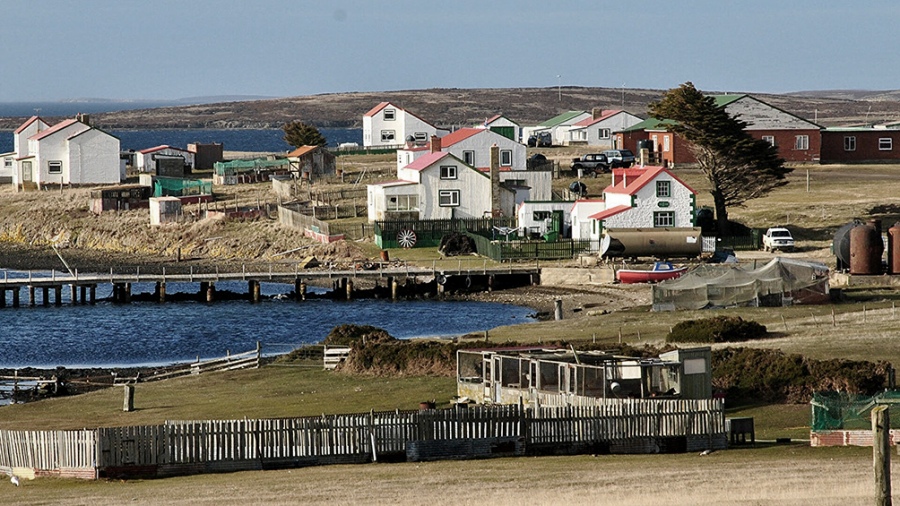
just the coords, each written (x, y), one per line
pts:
(26, 172)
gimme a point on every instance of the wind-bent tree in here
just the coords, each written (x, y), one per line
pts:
(739, 168)
(298, 133)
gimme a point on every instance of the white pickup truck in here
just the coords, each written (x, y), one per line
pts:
(778, 238)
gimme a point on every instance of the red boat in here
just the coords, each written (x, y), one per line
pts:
(661, 271)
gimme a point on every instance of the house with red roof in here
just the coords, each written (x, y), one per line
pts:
(440, 186)
(387, 125)
(147, 160)
(31, 126)
(797, 139)
(645, 197)
(580, 216)
(310, 161)
(70, 152)
(598, 129)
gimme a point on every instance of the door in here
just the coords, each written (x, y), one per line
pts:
(506, 131)
(26, 172)
(488, 377)
(557, 223)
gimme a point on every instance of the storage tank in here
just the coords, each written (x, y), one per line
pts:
(866, 248)
(840, 246)
(651, 242)
(894, 249)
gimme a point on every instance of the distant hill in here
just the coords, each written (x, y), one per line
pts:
(455, 107)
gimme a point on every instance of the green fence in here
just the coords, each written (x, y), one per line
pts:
(177, 187)
(428, 233)
(529, 250)
(843, 411)
(740, 242)
(243, 166)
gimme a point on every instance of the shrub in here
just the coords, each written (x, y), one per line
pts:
(719, 329)
(352, 335)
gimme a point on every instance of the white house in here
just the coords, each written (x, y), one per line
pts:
(439, 186)
(503, 126)
(8, 167)
(70, 152)
(145, 159)
(558, 126)
(597, 130)
(645, 198)
(537, 218)
(389, 125)
(581, 213)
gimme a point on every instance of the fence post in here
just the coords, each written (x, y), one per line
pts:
(128, 405)
(881, 453)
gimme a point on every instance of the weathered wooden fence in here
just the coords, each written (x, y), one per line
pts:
(186, 447)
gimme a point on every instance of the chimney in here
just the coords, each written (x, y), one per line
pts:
(84, 118)
(496, 209)
(596, 112)
(435, 143)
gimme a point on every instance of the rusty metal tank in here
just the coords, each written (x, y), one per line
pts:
(840, 246)
(893, 242)
(866, 248)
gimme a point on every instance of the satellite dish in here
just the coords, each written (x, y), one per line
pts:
(615, 387)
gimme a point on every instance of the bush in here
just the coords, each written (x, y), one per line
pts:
(719, 329)
(352, 335)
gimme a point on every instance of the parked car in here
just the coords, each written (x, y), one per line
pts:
(592, 163)
(540, 140)
(619, 157)
(778, 238)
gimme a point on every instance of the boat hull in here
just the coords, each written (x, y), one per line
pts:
(647, 276)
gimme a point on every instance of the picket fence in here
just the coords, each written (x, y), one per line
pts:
(187, 447)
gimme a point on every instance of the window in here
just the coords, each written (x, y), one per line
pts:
(7, 162)
(421, 137)
(469, 158)
(664, 219)
(403, 203)
(390, 114)
(541, 215)
(54, 167)
(850, 143)
(666, 143)
(770, 139)
(885, 144)
(448, 198)
(448, 171)
(387, 136)
(505, 158)
(663, 189)
(801, 142)
(603, 133)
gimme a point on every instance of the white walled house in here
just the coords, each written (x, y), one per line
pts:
(558, 126)
(440, 187)
(598, 129)
(389, 125)
(70, 152)
(581, 213)
(503, 126)
(537, 218)
(145, 159)
(649, 197)
(473, 146)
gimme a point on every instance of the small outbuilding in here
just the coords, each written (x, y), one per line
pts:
(310, 161)
(164, 210)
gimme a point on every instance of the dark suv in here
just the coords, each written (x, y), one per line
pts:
(619, 157)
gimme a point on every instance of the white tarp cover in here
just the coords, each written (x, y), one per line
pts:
(735, 285)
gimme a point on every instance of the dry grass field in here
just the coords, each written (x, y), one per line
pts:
(864, 327)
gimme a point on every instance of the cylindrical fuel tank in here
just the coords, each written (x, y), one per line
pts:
(866, 248)
(894, 249)
(651, 242)
(840, 246)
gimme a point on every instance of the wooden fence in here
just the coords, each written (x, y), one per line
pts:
(187, 447)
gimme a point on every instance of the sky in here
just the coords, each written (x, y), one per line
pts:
(171, 49)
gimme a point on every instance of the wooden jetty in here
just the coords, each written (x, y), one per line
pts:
(82, 287)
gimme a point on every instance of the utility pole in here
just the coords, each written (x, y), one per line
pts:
(558, 88)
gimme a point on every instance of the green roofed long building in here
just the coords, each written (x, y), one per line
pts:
(558, 126)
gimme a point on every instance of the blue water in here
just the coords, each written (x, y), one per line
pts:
(146, 333)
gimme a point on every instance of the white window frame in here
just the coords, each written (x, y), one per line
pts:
(603, 133)
(448, 198)
(469, 157)
(7, 162)
(420, 137)
(388, 136)
(449, 172)
(390, 114)
(54, 167)
(885, 144)
(801, 143)
(664, 189)
(667, 140)
(663, 219)
(770, 139)
(403, 203)
(849, 143)
(506, 158)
